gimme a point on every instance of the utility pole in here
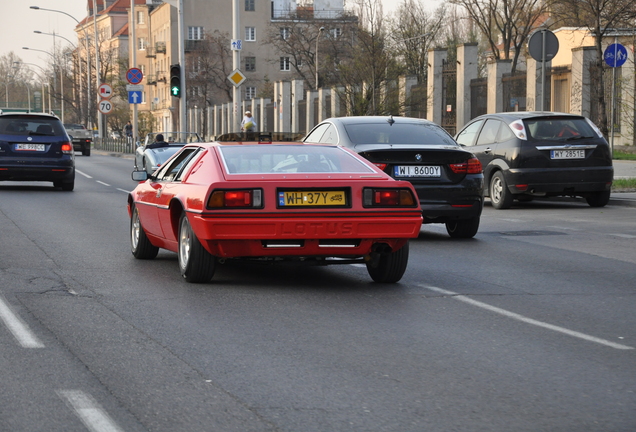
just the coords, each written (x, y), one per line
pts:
(183, 126)
(133, 45)
(236, 63)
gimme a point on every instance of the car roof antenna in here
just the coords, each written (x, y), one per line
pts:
(390, 120)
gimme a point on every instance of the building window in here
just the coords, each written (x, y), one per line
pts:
(140, 17)
(299, 62)
(284, 64)
(335, 32)
(250, 5)
(250, 64)
(250, 34)
(142, 43)
(250, 93)
(285, 32)
(195, 33)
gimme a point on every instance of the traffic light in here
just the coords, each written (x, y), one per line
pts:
(175, 80)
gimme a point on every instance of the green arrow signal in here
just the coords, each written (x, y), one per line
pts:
(175, 91)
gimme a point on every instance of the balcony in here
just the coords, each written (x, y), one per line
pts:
(151, 79)
(150, 52)
(160, 47)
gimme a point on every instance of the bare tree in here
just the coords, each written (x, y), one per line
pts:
(298, 39)
(601, 18)
(413, 31)
(510, 20)
(364, 74)
(207, 69)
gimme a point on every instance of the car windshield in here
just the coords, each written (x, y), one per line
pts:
(74, 126)
(268, 159)
(30, 125)
(174, 137)
(559, 128)
(398, 133)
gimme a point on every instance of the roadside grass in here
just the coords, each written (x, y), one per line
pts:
(620, 155)
(624, 184)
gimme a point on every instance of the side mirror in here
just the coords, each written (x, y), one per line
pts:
(138, 143)
(139, 176)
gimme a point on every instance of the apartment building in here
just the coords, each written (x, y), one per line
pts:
(156, 31)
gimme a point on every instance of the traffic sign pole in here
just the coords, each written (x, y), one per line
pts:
(615, 56)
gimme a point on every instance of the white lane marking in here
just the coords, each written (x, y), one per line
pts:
(563, 228)
(627, 236)
(526, 319)
(84, 174)
(122, 190)
(101, 182)
(89, 411)
(20, 330)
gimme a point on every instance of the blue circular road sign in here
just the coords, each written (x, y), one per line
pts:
(134, 75)
(615, 55)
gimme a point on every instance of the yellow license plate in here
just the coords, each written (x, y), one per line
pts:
(311, 198)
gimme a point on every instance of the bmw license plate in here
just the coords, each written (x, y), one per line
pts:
(417, 171)
(311, 198)
(567, 154)
(30, 147)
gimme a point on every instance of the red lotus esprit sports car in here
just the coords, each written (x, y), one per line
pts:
(291, 201)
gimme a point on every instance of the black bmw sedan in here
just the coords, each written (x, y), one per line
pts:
(540, 154)
(448, 179)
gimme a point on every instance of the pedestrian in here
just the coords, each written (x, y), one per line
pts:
(248, 124)
(128, 130)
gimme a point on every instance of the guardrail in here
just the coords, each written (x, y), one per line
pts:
(115, 145)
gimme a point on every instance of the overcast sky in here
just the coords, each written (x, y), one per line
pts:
(19, 21)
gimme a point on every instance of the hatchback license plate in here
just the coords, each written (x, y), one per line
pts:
(30, 147)
(417, 171)
(567, 154)
(311, 198)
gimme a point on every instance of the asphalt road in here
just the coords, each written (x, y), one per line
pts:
(530, 326)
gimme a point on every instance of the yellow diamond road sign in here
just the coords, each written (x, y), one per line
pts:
(236, 77)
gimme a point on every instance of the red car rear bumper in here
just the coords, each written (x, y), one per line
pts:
(337, 236)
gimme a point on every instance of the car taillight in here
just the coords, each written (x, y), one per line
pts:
(387, 197)
(471, 166)
(519, 129)
(382, 166)
(246, 198)
(67, 148)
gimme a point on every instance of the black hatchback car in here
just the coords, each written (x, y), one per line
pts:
(540, 154)
(36, 147)
(448, 179)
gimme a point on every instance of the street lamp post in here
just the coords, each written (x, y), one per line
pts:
(88, 57)
(61, 77)
(41, 81)
(79, 65)
(322, 29)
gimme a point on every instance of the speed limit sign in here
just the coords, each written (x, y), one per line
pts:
(105, 106)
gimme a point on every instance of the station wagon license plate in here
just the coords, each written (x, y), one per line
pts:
(417, 171)
(311, 198)
(567, 154)
(30, 147)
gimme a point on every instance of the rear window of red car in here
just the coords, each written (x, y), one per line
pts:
(272, 159)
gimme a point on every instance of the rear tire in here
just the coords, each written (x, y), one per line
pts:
(139, 244)
(598, 199)
(66, 186)
(195, 263)
(389, 267)
(500, 196)
(464, 228)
